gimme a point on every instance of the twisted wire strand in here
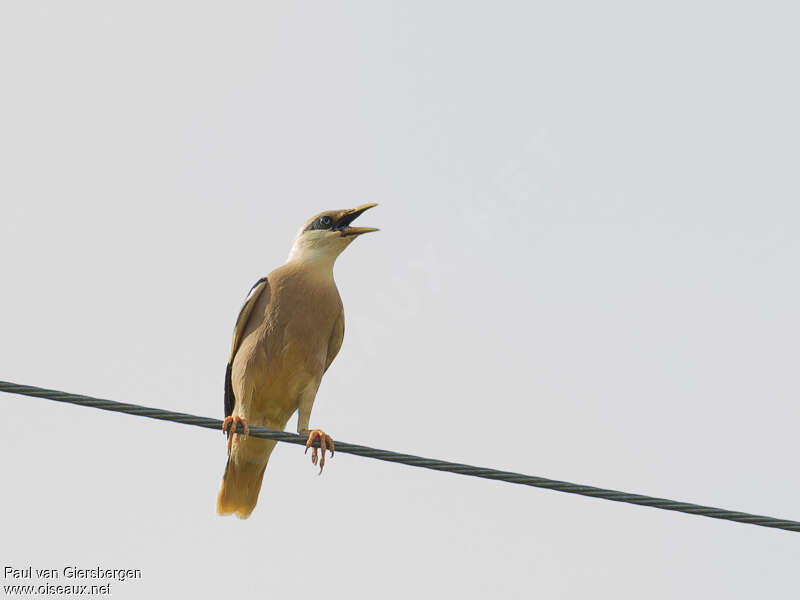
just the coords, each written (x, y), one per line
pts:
(410, 459)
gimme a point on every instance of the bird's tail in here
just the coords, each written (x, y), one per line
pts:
(244, 471)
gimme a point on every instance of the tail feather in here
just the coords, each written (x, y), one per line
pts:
(241, 482)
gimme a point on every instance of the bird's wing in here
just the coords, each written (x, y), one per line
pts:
(335, 342)
(238, 333)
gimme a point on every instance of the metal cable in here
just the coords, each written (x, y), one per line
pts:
(408, 459)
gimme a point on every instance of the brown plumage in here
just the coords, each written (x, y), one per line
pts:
(286, 336)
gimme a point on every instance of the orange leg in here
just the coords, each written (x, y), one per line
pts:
(325, 443)
(232, 423)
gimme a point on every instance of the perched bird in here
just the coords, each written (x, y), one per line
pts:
(286, 336)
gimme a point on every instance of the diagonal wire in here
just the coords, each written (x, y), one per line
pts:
(409, 459)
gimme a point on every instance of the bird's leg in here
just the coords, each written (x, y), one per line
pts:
(305, 402)
(232, 423)
(325, 443)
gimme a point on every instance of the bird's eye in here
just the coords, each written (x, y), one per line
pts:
(325, 221)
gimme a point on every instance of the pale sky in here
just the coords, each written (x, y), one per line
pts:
(587, 269)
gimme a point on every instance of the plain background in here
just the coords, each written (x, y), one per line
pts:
(587, 270)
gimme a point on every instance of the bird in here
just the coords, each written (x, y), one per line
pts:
(286, 336)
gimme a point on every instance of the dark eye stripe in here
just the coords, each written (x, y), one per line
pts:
(323, 222)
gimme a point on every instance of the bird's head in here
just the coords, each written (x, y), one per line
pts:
(324, 236)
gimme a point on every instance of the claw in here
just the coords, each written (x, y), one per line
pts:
(322, 447)
(230, 425)
(325, 443)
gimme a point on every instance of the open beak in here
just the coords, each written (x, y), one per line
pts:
(349, 216)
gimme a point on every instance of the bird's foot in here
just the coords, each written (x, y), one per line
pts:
(229, 426)
(325, 443)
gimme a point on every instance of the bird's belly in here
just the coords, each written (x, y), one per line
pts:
(268, 382)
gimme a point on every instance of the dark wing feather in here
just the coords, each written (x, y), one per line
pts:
(229, 399)
(238, 332)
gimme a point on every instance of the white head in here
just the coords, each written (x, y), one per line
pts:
(324, 236)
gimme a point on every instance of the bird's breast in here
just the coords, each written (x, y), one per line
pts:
(285, 351)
